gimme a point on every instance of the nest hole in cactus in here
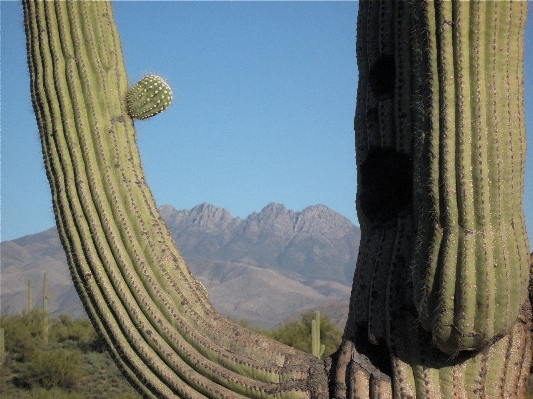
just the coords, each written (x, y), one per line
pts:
(386, 185)
(372, 116)
(382, 77)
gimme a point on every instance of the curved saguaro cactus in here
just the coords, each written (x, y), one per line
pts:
(439, 305)
(135, 286)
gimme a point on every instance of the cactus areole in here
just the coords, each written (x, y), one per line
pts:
(439, 305)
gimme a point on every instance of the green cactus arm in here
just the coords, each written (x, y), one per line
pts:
(476, 216)
(148, 97)
(437, 155)
(157, 321)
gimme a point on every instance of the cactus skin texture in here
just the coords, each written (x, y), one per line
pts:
(159, 325)
(439, 300)
(148, 97)
(471, 265)
(439, 305)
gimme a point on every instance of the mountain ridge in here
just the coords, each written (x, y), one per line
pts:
(263, 268)
(289, 235)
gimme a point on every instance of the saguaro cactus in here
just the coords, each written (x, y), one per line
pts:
(317, 349)
(45, 308)
(440, 157)
(156, 319)
(441, 281)
(30, 296)
(2, 346)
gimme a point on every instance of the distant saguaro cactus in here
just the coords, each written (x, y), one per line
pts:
(439, 305)
(2, 346)
(317, 349)
(30, 296)
(45, 308)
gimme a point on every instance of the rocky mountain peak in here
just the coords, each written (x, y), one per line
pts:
(207, 215)
(319, 219)
(276, 218)
(261, 268)
(204, 217)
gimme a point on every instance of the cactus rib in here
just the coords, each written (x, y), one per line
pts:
(472, 235)
(158, 323)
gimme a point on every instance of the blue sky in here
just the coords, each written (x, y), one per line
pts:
(264, 99)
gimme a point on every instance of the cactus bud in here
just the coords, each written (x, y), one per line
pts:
(150, 96)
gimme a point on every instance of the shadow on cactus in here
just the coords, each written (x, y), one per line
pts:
(386, 185)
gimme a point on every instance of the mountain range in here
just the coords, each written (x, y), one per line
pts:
(265, 268)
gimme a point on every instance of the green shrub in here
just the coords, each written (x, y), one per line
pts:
(24, 333)
(42, 393)
(102, 378)
(55, 393)
(127, 396)
(81, 331)
(54, 368)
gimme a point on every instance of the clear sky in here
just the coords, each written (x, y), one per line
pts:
(264, 99)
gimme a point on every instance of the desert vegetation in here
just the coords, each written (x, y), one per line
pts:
(74, 364)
